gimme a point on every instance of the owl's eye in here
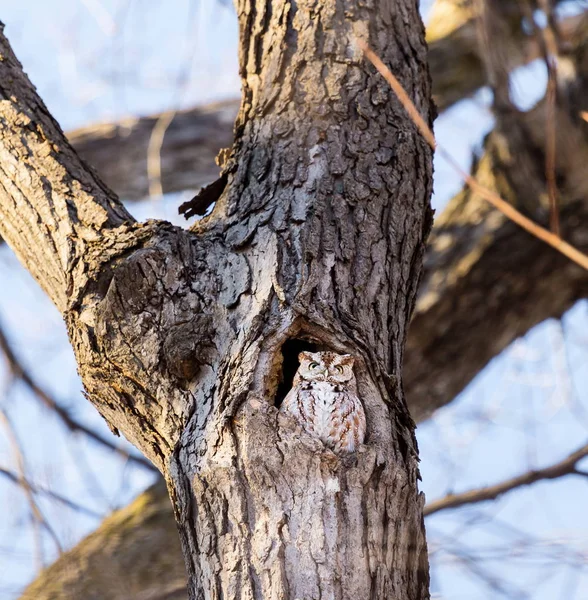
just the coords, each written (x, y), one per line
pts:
(313, 365)
(339, 368)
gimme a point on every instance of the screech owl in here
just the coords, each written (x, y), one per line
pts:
(323, 399)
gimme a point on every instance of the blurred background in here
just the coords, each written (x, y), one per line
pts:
(147, 92)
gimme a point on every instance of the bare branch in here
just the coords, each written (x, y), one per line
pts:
(54, 210)
(24, 483)
(560, 469)
(194, 137)
(17, 479)
(502, 205)
(21, 373)
(119, 151)
(143, 559)
(548, 43)
(457, 65)
(154, 152)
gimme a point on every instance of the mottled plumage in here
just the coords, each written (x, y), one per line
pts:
(323, 399)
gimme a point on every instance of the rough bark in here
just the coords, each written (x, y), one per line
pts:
(473, 232)
(181, 337)
(454, 332)
(53, 206)
(519, 279)
(486, 282)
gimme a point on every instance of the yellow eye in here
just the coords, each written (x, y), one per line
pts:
(313, 365)
(339, 369)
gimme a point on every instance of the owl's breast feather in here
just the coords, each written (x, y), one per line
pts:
(325, 397)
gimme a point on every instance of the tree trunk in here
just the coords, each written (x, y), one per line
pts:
(187, 341)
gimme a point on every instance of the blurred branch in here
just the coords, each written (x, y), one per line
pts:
(489, 579)
(551, 51)
(154, 152)
(548, 43)
(38, 518)
(489, 195)
(560, 469)
(173, 151)
(119, 151)
(15, 478)
(456, 62)
(21, 373)
(484, 282)
(137, 546)
(479, 274)
(101, 15)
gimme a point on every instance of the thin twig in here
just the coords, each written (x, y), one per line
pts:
(15, 478)
(38, 517)
(564, 467)
(550, 150)
(154, 153)
(504, 207)
(475, 567)
(166, 118)
(551, 53)
(491, 31)
(21, 373)
(101, 15)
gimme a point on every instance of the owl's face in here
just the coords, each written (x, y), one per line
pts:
(326, 366)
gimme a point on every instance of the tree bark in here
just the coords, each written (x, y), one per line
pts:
(478, 238)
(486, 282)
(182, 338)
(520, 280)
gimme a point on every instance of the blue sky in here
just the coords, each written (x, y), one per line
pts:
(97, 60)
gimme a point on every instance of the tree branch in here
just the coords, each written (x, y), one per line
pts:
(21, 373)
(466, 241)
(52, 206)
(139, 548)
(485, 282)
(560, 469)
(18, 480)
(456, 61)
(438, 332)
(69, 575)
(38, 517)
(119, 151)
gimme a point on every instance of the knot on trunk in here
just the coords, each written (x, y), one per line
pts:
(154, 317)
(188, 346)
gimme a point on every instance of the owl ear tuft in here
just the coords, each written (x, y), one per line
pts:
(304, 356)
(347, 359)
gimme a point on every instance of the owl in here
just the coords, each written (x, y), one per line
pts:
(323, 399)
